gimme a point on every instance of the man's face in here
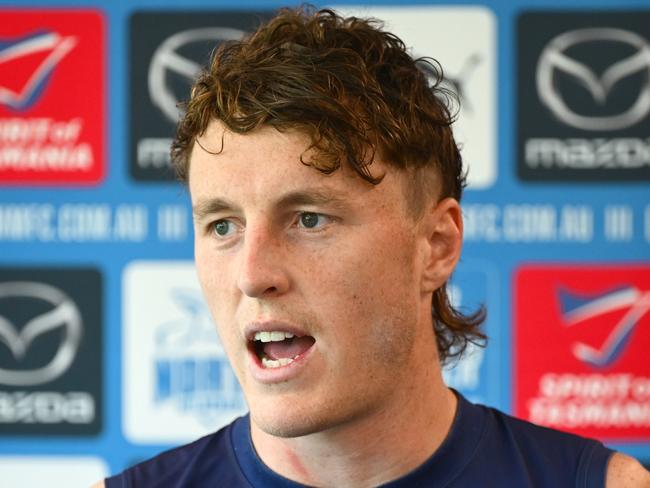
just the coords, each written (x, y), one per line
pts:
(325, 267)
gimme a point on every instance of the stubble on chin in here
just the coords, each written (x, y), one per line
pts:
(289, 425)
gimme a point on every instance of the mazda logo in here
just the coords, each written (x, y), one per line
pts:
(167, 61)
(554, 59)
(61, 312)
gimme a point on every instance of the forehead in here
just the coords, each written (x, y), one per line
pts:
(265, 163)
(225, 153)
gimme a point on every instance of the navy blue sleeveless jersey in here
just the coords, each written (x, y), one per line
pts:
(484, 448)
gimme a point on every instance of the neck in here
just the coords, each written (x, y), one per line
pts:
(380, 446)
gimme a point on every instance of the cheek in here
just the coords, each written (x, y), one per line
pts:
(384, 273)
(372, 285)
(387, 291)
(214, 270)
(213, 278)
(374, 323)
(205, 275)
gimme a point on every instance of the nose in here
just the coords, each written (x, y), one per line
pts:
(262, 271)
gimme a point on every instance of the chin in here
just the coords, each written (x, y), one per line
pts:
(293, 418)
(279, 424)
(296, 416)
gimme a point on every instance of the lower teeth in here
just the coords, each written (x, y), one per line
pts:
(276, 363)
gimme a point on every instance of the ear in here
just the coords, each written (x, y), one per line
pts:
(443, 227)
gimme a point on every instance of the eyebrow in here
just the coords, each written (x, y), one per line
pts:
(312, 197)
(205, 207)
(209, 206)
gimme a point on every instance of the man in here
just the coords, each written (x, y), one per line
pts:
(325, 184)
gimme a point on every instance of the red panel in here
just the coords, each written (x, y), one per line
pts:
(582, 349)
(51, 97)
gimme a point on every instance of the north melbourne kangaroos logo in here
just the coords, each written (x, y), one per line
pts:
(176, 371)
(192, 370)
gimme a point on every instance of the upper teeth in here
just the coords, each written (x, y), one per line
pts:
(272, 336)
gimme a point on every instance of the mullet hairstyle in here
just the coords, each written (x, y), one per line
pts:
(355, 91)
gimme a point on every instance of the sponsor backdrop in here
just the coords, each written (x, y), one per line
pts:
(107, 352)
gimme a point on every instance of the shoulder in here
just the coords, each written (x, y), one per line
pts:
(624, 471)
(533, 437)
(559, 458)
(589, 456)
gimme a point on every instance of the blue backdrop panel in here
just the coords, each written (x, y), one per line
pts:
(108, 354)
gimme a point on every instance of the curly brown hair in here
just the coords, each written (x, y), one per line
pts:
(356, 92)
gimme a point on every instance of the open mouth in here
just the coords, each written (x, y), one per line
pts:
(275, 349)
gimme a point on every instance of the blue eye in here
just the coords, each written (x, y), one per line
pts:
(311, 220)
(223, 228)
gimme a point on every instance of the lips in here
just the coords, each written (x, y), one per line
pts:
(276, 346)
